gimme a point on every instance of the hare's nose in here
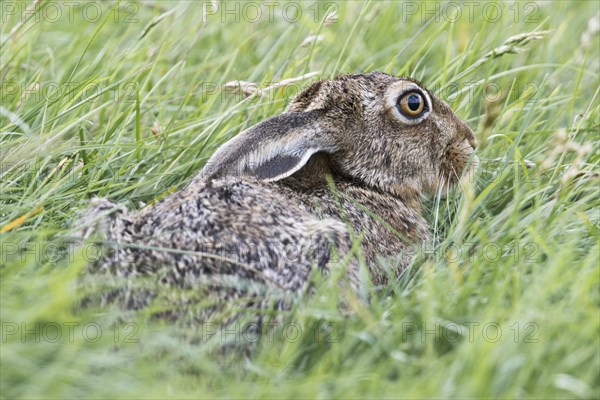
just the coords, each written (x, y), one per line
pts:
(472, 140)
(470, 135)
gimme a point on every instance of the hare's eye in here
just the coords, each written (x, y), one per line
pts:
(411, 104)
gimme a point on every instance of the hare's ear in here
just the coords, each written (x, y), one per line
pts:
(273, 149)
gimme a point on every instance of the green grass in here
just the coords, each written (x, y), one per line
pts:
(129, 110)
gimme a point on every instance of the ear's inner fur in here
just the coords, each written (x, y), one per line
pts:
(273, 149)
(282, 166)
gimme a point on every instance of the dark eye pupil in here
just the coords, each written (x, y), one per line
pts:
(414, 102)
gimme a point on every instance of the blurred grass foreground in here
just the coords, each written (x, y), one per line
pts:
(127, 100)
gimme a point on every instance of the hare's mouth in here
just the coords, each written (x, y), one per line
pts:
(461, 163)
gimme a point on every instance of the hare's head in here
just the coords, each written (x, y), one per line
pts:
(386, 132)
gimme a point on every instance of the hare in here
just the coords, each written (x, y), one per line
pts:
(347, 162)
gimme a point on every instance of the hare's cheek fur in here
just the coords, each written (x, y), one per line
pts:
(454, 144)
(459, 160)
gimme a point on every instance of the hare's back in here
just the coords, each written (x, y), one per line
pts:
(238, 227)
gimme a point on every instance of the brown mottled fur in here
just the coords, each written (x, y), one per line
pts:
(340, 163)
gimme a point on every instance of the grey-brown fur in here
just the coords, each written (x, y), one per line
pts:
(262, 211)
